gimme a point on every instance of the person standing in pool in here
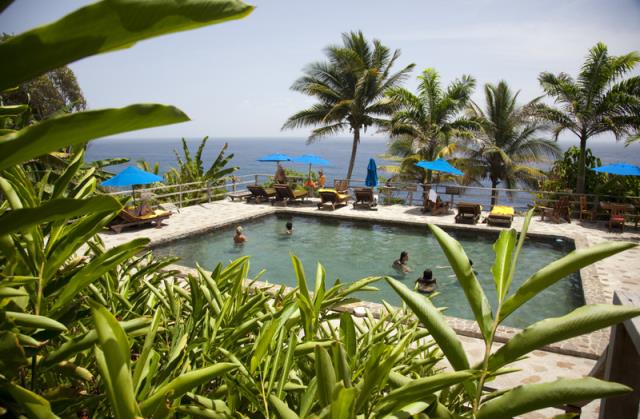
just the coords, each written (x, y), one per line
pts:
(239, 238)
(401, 264)
(426, 284)
(289, 228)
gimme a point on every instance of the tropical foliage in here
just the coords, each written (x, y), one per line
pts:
(600, 100)
(564, 173)
(508, 142)
(350, 88)
(87, 330)
(191, 169)
(52, 93)
(425, 126)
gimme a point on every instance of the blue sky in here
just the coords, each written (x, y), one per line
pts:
(233, 79)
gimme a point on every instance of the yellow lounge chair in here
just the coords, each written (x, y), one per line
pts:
(501, 216)
(129, 217)
(332, 198)
(285, 194)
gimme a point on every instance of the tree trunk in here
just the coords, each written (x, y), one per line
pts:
(354, 150)
(494, 192)
(581, 164)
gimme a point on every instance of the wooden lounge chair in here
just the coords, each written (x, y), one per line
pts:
(365, 198)
(259, 193)
(617, 217)
(331, 197)
(285, 194)
(500, 216)
(341, 185)
(559, 212)
(585, 212)
(468, 213)
(129, 217)
(433, 204)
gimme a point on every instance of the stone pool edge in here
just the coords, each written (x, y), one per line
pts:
(587, 346)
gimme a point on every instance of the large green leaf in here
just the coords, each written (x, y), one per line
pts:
(106, 26)
(281, 408)
(113, 354)
(184, 383)
(77, 128)
(530, 397)
(501, 268)
(36, 406)
(418, 390)
(326, 376)
(37, 322)
(559, 269)
(470, 285)
(95, 269)
(59, 209)
(435, 322)
(582, 320)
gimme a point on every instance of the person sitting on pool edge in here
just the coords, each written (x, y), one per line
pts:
(426, 284)
(239, 238)
(401, 264)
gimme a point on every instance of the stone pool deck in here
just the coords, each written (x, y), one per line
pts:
(572, 358)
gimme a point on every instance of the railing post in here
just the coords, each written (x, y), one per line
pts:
(180, 195)
(209, 191)
(255, 178)
(234, 187)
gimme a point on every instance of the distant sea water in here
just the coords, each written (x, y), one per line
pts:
(336, 150)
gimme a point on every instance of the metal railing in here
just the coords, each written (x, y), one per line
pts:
(407, 193)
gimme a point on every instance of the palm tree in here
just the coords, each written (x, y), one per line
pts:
(350, 88)
(424, 124)
(507, 142)
(598, 101)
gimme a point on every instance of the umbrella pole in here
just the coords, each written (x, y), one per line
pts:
(309, 172)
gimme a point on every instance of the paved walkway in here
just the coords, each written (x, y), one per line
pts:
(618, 272)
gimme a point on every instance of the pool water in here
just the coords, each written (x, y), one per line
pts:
(351, 250)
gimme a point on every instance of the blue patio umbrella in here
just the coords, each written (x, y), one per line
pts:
(277, 157)
(622, 169)
(372, 174)
(132, 176)
(310, 159)
(439, 165)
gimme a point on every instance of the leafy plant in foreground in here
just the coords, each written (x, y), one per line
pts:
(525, 398)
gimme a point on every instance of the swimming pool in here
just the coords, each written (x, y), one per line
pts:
(351, 250)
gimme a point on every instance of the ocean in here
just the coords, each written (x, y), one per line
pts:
(336, 150)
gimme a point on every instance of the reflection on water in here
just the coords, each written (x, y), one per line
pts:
(353, 250)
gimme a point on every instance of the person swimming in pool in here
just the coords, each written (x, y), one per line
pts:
(289, 228)
(401, 264)
(426, 284)
(239, 237)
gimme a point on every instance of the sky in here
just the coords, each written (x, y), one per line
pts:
(234, 79)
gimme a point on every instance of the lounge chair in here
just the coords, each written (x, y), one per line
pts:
(585, 212)
(130, 216)
(259, 193)
(500, 216)
(285, 194)
(559, 212)
(365, 198)
(468, 213)
(434, 205)
(341, 185)
(331, 197)
(617, 217)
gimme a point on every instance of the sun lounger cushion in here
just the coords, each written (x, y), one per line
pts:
(341, 196)
(502, 210)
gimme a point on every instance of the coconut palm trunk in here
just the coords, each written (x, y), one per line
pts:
(581, 165)
(494, 192)
(354, 151)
